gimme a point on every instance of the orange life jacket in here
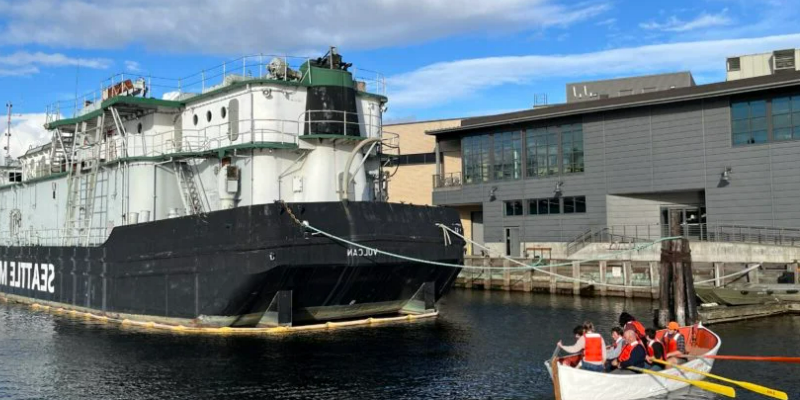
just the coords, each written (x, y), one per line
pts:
(671, 342)
(637, 328)
(593, 348)
(626, 352)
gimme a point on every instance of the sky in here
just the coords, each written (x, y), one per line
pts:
(440, 58)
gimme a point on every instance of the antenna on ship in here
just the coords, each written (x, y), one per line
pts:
(7, 148)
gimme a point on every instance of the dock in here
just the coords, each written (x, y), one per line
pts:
(722, 314)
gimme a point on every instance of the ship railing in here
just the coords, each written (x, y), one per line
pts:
(53, 237)
(337, 122)
(250, 67)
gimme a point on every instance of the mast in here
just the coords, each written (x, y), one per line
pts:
(7, 148)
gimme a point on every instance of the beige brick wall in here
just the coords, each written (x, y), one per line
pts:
(412, 184)
(413, 139)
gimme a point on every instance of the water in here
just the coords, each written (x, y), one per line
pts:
(484, 345)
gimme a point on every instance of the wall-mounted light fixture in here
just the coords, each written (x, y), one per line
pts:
(492, 192)
(267, 93)
(726, 175)
(557, 190)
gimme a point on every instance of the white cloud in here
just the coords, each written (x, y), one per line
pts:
(674, 24)
(24, 63)
(440, 83)
(27, 131)
(133, 66)
(239, 26)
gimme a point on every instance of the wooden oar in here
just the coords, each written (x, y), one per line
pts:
(795, 360)
(747, 385)
(711, 387)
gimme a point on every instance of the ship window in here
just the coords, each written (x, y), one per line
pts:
(223, 112)
(139, 128)
(208, 116)
(194, 119)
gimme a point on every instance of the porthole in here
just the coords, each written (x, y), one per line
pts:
(208, 116)
(139, 128)
(223, 112)
(194, 119)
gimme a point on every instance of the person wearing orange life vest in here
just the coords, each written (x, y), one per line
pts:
(655, 350)
(633, 355)
(674, 344)
(592, 345)
(629, 323)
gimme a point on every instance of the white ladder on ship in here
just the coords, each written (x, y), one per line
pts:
(81, 186)
(192, 201)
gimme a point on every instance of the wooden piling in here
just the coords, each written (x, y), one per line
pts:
(553, 282)
(470, 273)
(665, 285)
(653, 267)
(796, 273)
(688, 278)
(506, 275)
(603, 280)
(527, 280)
(576, 274)
(627, 278)
(487, 273)
(679, 291)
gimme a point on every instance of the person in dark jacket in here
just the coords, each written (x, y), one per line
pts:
(633, 355)
(655, 350)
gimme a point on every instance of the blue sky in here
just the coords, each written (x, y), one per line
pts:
(441, 58)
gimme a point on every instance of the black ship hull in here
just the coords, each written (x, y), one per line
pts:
(241, 266)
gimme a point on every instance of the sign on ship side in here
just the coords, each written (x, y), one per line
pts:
(30, 276)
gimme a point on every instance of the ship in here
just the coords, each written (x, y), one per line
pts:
(191, 202)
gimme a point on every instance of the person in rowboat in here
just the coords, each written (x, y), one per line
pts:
(633, 355)
(592, 345)
(615, 349)
(674, 344)
(655, 350)
(629, 323)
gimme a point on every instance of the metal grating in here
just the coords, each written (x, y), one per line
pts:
(734, 64)
(784, 59)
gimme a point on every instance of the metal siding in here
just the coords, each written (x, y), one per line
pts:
(672, 147)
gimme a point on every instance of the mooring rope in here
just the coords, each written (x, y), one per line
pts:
(522, 266)
(730, 275)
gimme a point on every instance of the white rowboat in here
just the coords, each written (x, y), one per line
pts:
(572, 383)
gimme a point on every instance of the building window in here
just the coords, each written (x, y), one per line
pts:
(413, 159)
(575, 205)
(749, 122)
(544, 206)
(542, 146)
(507, 156)
(513, 208)
(786, 118)
(572, 148)
(734, 64)
(475, 158)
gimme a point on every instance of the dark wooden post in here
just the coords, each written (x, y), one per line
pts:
(679, 288)
(688, 279)
(665, 284)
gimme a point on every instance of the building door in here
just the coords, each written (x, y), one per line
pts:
(512, 242)
(692, 221)
(477, 231)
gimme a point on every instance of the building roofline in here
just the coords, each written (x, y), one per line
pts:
(426, 121)
(622, 78)
(676, 95)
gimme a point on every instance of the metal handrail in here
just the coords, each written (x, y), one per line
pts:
(452, 179)
(247, 67)
(51, 237)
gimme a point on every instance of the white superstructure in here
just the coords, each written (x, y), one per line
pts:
(247, 135)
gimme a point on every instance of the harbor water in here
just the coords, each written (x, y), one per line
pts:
(484, 345)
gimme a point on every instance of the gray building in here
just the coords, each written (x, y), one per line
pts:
(719, 154)
(608, 88)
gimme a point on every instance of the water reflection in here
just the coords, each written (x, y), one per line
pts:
(485, 345)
